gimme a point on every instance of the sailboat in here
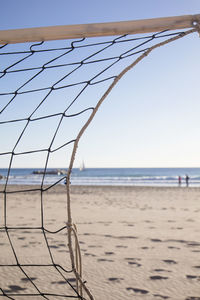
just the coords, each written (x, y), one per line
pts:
(82, 166)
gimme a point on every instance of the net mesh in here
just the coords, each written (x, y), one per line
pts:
(50, 92)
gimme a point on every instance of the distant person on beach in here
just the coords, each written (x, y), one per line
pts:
(187, 180)
(179, 180)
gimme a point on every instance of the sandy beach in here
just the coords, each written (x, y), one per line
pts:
(136, 242)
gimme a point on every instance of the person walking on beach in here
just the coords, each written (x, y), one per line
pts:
(187, 180)
(179, 180)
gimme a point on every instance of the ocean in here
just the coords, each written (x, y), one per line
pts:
(106, 176)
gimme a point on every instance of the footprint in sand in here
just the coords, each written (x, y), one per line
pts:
(28, 279)
(170, 261)
(127, 237)
(109, 253)
(64, 282)
(115, 279)
(171, 221)
(162, 270)
(61, 245)
(146, 248)
(156, 240)
(193, 277)
(89, 254)
(157, 277)
(14, 288)
(121, 246)
(176, 228)
(139, 291)
(103, 259)
(192, 298)
(132, 258)
(172, 247)
(58, 282)
(161, 296)
(53, 246)
(193, 244)
(134, 263)
(189, 220)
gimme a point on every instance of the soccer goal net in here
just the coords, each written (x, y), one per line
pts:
(53, 80)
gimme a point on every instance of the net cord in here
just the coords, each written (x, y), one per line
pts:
(108, 91)
(74, 248)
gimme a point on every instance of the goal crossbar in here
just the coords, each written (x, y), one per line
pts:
(60, 32)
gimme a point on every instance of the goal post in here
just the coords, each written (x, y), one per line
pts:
(98, 29)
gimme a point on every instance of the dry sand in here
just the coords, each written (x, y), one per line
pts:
(136, 242)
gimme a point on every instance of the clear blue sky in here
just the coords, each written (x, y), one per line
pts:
(151, 119)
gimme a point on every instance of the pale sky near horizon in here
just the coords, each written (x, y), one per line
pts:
(151, 118)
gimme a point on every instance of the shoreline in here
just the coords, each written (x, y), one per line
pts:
(158, 177)
(74, 186)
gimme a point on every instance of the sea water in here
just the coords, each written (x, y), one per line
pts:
(106, 176)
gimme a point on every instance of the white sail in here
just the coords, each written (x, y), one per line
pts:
(82, 166)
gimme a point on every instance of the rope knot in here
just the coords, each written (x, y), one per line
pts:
(197, 26)
(69, 225)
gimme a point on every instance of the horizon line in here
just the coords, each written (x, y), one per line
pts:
(76, 167)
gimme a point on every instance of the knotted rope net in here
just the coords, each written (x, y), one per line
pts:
(50, 92)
